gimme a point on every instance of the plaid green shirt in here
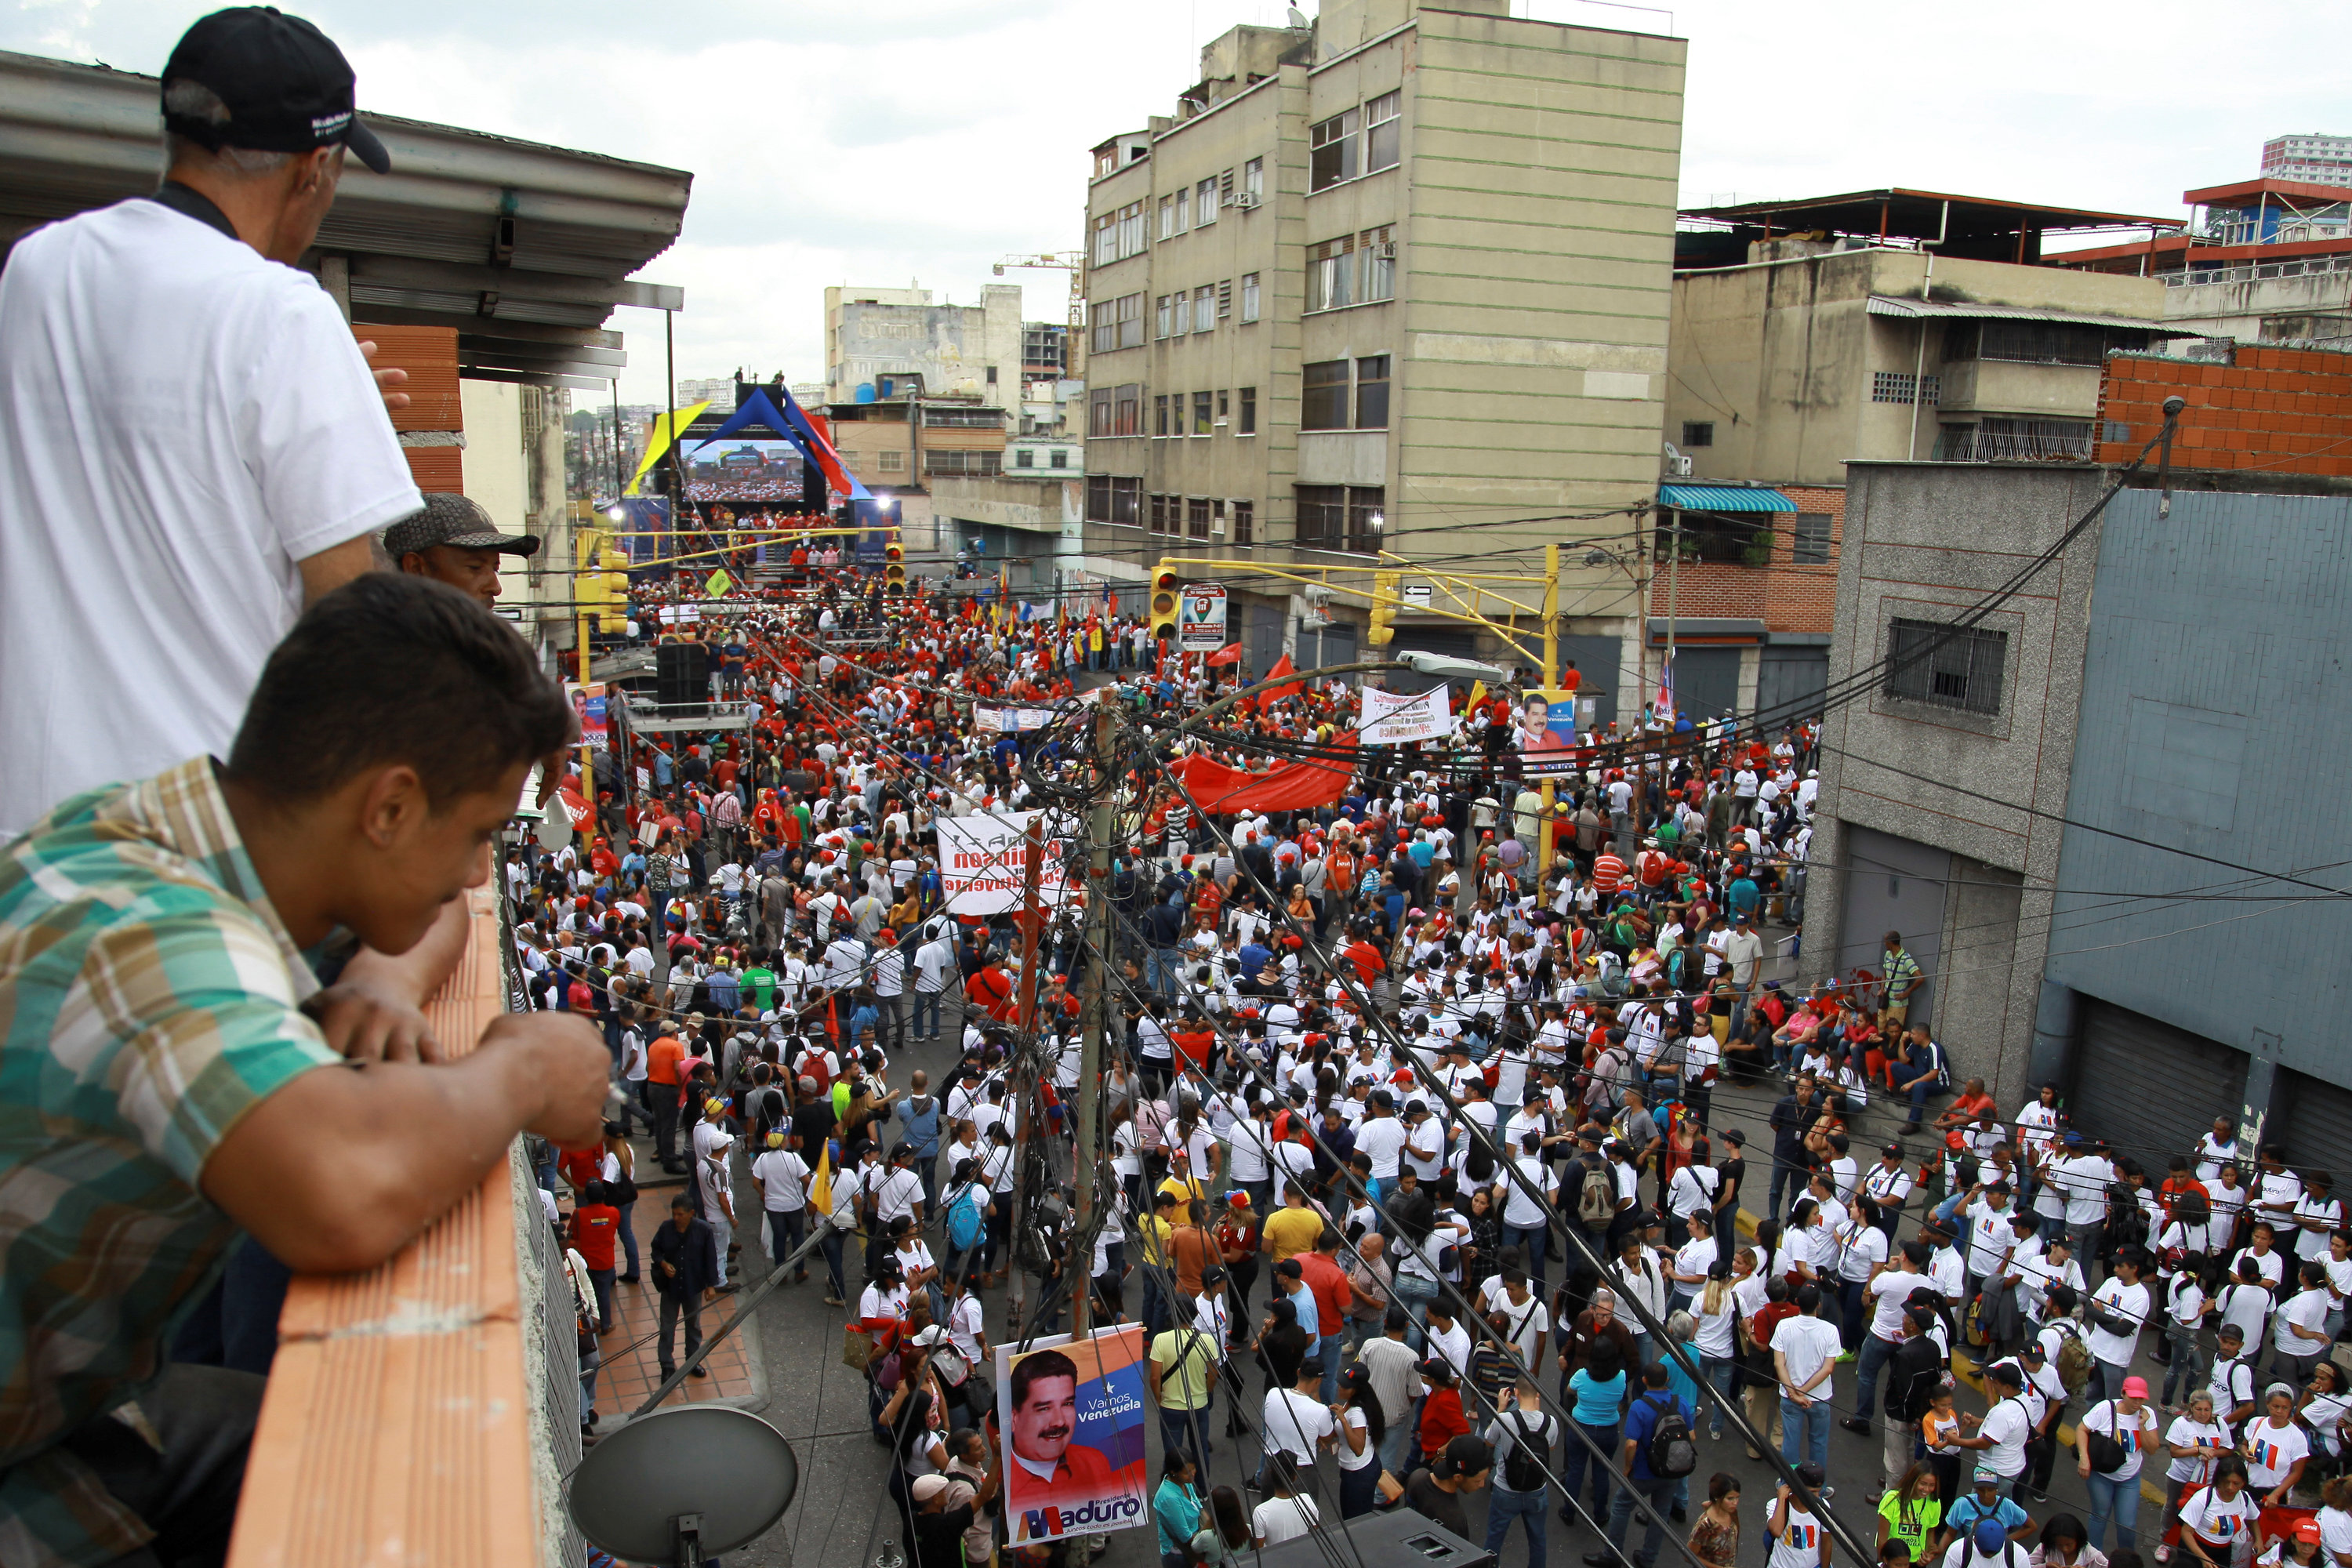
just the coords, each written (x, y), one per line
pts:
(149, 998)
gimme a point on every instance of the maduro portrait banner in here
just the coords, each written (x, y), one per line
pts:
(1072, 1414)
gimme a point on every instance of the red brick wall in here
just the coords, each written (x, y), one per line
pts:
(1785, 596)
(429, 356)
(2286, 411)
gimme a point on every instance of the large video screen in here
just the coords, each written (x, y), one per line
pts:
(737, 470)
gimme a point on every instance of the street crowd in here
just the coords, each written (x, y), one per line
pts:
(1432, 1158)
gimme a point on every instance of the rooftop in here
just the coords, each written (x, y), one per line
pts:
(1978, 227)
(525, 248)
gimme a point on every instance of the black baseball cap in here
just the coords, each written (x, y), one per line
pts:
(285, 85)
(452, 519)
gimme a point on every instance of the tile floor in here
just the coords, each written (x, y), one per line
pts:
(630, 1375)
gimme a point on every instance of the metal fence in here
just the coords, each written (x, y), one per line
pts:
(2309, 266)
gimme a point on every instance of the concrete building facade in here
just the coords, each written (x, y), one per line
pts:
(1379, 280)
(875, 339)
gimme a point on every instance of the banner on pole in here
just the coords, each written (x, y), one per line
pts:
(1010, 721)
(1200, 618)
(1072, 1412)
(590, 703)
(981, 860)
(1391, 720)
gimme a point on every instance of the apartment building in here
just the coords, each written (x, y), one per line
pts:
(876, 340)
(1397, 280)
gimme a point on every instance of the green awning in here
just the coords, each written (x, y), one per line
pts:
(1723, 498)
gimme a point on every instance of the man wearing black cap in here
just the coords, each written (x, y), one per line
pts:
(454, 541)
(191, 444)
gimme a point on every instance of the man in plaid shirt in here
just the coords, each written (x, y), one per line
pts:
(161, 1037)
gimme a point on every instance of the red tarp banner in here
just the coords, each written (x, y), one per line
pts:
(1292, 786)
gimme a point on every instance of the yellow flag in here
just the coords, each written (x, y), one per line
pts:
(1477, 695)
(659, 442)
(717, 584)
(821, 1182)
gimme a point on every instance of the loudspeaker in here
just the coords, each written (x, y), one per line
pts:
(681, 673)
(1398, 1539)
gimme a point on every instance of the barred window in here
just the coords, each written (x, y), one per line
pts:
(1896, 386)
(1944, 666)
(1809, 543)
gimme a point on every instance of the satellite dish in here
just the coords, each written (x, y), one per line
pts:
(1296, 19)
(683, 1484)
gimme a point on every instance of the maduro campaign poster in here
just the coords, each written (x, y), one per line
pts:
(1072, 1414)
(1391, 720)
(982, 858)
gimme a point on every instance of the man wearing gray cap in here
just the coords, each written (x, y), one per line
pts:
(192, 446)
(453, 540)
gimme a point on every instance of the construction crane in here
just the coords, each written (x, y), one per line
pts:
(1073, 262)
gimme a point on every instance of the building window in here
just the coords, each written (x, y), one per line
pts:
(1944, 666)
(1202, 424)
(1204, 202)
(1205, 308)
(1106, 160)
(950, 461)
(1160, 317)
(2038, 342)
(1224, 405)
(1127, 416)
(1332, 273)
(1158, 514)
(1106, 239)
(890, 462)
(1372, 392)
(1129, 308)
(1225, 184)
(1341, 517)
(1225, 298)
(1159, 413)
(1106, 323)
(1183, 209)
(1098, 411)
(1245, 514)
(1808, 539)
(1698, 432)
(1196, 518)
(1248, 423)
(1130, 230)
(1331, 151)
(1896, 386)
(1061, 458)
(991, 375)
(1249, 295)
(1323, 397)
(1024, 459)
(1168, 217)
(1253, 178)
(1381, 127)
(2004, 439)
(1379, 246)
(1098, 497)
(1126, 501)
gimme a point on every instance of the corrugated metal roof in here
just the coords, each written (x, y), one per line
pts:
(1917, 310)
(1723, 498)
(524, 249)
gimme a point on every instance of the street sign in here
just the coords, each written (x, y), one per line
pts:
(1417, 595)
(1200, 618)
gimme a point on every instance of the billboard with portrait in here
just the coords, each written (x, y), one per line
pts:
(1072, 1413)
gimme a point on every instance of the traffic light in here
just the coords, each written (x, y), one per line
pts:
(1384, 608)
(894, 569)
(1167, 593)
(591, 591)
(614, 613)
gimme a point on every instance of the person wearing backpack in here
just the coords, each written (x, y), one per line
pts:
(1522, 1435)
(967, 1211)
(1659, 1451)
(2109, 1443)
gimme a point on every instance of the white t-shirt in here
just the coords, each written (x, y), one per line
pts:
(2272, 1451)
(2187, 1433)
(2130, 1302)
(1889, 1295)
(2136, 1434)
(2218, 1522)
(2009, 1424)
(2306, 1308)
(182, 422)
(1805, 1343)
(1280, 1519)
(784, 1177)
(1799, 1544)
(1294, 1423)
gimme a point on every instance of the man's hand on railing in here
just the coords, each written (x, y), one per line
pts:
(367, 1021)
(575, 1072)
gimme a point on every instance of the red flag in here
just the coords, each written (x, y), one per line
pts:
(1229, 654)
(1282, 667)
(578, 810)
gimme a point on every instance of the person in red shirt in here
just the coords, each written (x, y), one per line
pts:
(1321, 1273)
(991, 990)
(1608, 871)
(1442, 1419)
(594, 1225)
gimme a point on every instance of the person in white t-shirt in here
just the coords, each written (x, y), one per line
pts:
(192, 445)
(2119, 1310)
(783, 1177)
(2114, 1493)
(1805, 1349)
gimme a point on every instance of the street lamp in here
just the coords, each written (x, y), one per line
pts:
(1447, 667)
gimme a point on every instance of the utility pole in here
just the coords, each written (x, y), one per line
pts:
(1546, 828)
(1023, 1096)
(1102, 822)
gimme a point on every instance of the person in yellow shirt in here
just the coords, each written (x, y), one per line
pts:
(1294, 1227)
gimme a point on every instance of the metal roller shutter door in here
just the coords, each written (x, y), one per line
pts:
(1706, 681)
(2315, 1123)
(2148, 1088)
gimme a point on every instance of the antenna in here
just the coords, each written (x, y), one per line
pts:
(683, 1485)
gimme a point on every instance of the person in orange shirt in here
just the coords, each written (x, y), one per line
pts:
(1319, 1270)
(665, 1061)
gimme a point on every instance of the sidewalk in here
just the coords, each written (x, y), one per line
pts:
(632, 1371)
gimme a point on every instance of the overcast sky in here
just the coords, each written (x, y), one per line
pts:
(893, 140)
